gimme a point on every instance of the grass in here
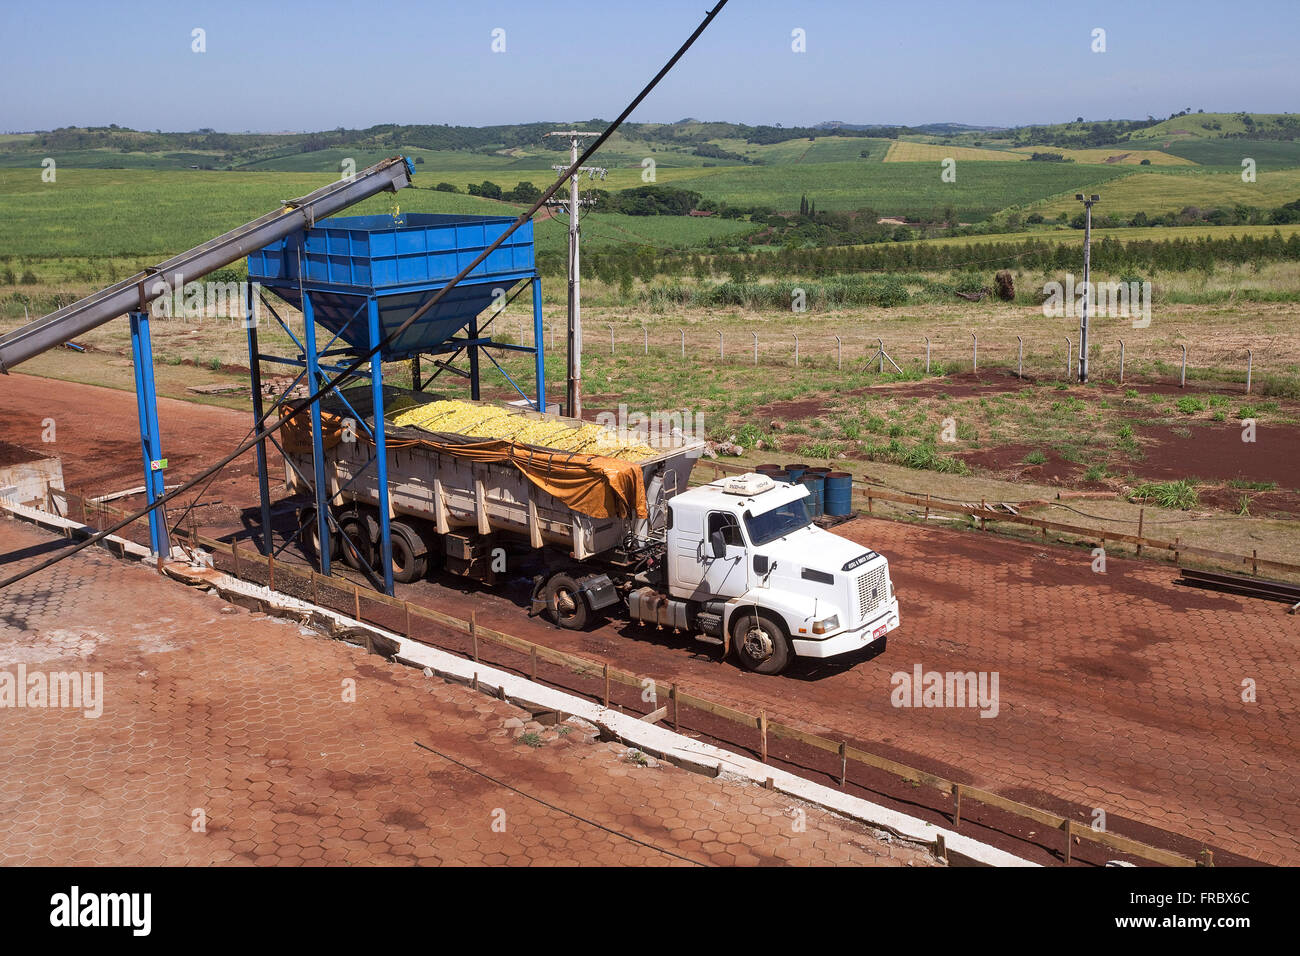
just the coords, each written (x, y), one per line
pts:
(1179, 494)
(143, 214)
(899, 189)
(1035, 458)
(1159, 191)
(1241, 483)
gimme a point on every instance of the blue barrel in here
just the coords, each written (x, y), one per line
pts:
(766, 469)
(816, 491)
(839, 494)
(779, 476)
(796, 471)
(819, 471)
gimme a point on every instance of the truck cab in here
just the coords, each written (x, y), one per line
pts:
(746, 546)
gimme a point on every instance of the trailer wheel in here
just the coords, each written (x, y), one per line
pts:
(409, 564)
(565, 604)
(356, 528)
(760, 642)
(311, 536)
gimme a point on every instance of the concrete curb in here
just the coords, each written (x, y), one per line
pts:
(656, 741)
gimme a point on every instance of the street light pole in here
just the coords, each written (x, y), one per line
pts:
(1087, 282)
(573, 376)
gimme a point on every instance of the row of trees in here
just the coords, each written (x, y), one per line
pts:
(621, 266)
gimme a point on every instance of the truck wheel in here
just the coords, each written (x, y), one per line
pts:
(409, 564)
(311, 537)
(566, 606)
(356, 528)
(760, 642)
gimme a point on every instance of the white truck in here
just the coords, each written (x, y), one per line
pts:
(737, 562)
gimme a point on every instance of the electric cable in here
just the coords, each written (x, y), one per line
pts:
(350, 372)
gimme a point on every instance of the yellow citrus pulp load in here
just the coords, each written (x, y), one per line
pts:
(487, 421)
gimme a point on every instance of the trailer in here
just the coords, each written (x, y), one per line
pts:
(736, 563)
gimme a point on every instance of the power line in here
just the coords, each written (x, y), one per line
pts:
(350, 372)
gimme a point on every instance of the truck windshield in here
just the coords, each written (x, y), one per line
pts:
(777, 523)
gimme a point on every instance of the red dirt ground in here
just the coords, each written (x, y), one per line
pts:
(1120, 692)
(1010, 459)
(207, 706)
(1216, 452)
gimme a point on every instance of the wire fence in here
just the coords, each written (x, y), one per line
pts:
(1030, 357)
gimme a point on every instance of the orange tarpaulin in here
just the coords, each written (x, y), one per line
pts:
(589, 484)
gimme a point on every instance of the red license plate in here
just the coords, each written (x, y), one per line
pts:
(880, 631)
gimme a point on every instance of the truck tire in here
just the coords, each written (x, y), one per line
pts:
(409, 564)
(311, 537)
(357, 529)
(760, 642)
(565, 605)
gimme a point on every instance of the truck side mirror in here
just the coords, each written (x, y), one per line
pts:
(718, 544)
(760, 564)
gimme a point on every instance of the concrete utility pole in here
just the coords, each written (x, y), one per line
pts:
(1087, 286)
(573, 380)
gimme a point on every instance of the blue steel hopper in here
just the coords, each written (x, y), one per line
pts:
(344, 261)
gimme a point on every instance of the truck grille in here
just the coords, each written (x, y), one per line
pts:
(873, 590)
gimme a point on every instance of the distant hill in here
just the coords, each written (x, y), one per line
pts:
(931, 129)
(686, 143)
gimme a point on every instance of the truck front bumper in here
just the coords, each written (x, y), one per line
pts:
(845, 641)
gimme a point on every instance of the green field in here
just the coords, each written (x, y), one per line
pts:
(1267, 154)
(131, 214)
(1168, 190)
(1123, 233)
(900, 189)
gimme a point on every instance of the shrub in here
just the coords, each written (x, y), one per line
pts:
(1179, 494)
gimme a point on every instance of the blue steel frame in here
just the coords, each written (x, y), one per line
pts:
(146, 398)
(311, 357)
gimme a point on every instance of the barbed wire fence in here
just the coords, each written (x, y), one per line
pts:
(1037, 357)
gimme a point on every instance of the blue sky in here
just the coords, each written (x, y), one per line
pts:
(304, 66)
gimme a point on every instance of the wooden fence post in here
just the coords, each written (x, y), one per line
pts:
(672, 695)
(844, 763)
(956, 805)
(607, 685)
(762, 729)
(473, 633)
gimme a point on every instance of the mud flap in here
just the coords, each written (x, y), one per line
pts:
(599, 591)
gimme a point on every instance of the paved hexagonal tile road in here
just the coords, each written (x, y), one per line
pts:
(227, 737)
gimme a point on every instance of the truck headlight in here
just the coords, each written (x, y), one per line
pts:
(826, 625)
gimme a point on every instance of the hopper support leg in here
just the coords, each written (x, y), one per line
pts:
(150, 443)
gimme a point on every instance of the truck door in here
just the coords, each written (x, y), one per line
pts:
(725, 576)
